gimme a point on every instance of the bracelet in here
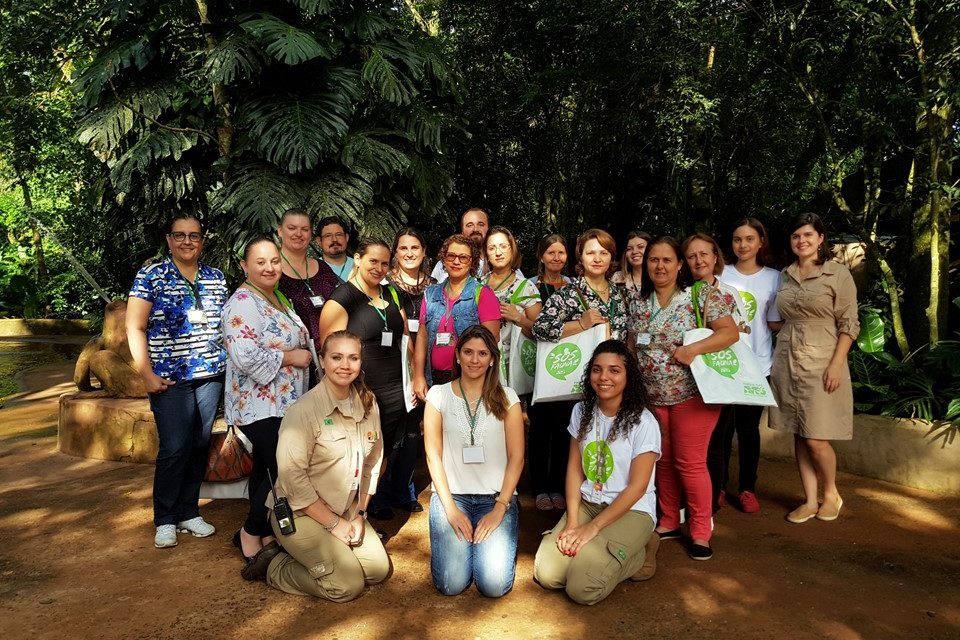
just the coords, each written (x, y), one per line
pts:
(505, 503)
(580, 321)
(334, 525)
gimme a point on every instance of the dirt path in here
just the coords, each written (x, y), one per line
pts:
(77, 560)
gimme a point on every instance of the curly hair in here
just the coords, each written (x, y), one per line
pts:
(633, 401)
(459, 238)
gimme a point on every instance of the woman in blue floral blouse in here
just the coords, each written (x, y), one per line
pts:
(267, 371)
(173, 328)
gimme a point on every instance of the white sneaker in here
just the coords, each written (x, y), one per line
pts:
(166, 536)
(199, 527)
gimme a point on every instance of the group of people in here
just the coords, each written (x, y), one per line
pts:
(334, 367)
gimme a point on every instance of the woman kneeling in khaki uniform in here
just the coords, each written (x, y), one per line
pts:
(606, 535)
(328, 461)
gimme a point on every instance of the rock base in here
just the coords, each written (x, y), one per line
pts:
(119, 429)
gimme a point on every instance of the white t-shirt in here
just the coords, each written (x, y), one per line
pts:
(483, 478)
(642, 438)
(759, 295)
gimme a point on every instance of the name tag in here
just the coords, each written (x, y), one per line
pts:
(386, 339)
(643, 338)
(197, 316)
(316, 301)
(472, 455)
(444, 338)
(413, 325)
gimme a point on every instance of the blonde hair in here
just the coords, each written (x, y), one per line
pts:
(366, 396)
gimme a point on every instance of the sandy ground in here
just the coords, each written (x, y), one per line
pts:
(77, 560)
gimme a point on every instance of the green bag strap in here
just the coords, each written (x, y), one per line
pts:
(583, 302)
(396, 298)
(516, 297)
(695, 299)
(476, 293)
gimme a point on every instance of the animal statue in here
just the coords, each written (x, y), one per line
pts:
(107, 358)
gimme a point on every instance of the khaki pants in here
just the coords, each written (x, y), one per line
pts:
(613, 556)
(315, 563)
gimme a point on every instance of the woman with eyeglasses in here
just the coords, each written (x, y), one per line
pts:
(448, 309)
(174, 323)
(372, 311)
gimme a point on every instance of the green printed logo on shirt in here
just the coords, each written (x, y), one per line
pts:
(750, 304)
(594, 454)
(723, 362)
(563, 360)
(528, 356)
(328, 422)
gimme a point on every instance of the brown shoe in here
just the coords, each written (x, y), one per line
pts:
(256, 567)
(830, 513)
(801, 514)
(650, 559)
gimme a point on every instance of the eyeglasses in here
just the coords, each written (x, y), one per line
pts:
(180, 236)
(339, 235)
(454, 258)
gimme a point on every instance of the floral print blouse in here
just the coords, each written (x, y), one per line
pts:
(660, 331)
(568, 304)
(521, 292)
(255, 335)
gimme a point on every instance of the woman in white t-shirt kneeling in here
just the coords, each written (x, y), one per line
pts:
(473, 436)
(606, 535)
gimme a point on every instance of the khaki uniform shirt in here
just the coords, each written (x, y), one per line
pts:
(815, 310)
(328, 450)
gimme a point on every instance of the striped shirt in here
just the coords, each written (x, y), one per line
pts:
(180, 349)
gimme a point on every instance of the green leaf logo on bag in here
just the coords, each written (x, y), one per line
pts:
(563, 360)
(750, 304)
(593, 454)
(723, 362)
(528, 357)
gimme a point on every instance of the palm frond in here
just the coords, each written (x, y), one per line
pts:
(92, 82)
(255, 194)
(386, 79)
(296, 133)
(361, 151)
(365, 26)
(340, 194)
(155, 146)
(313, 7)
(285, 42)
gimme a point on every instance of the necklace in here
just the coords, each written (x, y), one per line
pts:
(472, 415)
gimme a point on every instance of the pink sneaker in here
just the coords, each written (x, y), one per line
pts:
(749, 502)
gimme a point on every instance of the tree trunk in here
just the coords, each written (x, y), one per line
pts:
(225, 131)
(37, 238)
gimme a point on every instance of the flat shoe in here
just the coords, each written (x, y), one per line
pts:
(700, 552)
(559, 502)
(673, 534)
(831, 515)
(236, 540)
(256, 567)
(801, 514)
(543, 502)
(649, 567)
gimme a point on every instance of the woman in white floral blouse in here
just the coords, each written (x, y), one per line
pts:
(266, 343)
(660, 313)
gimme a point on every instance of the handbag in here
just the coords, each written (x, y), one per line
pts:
(227, 459)
(523, 362)
(559, 374)
(406, 372)
(729, 376)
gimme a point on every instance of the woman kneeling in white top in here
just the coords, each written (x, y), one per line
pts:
(606, 535)
(473, 436)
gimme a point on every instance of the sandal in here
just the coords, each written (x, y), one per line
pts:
(559, 502)
(544, 503)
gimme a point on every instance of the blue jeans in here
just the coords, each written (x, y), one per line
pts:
(184, 414)
(455, 563)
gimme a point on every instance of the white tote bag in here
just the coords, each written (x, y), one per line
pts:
(406, 369)
(729, 376)
(523, 362)
(559, 374)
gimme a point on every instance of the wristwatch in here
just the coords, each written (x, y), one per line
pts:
(362, 513)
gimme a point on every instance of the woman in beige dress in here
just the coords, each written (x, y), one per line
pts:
(810, 378)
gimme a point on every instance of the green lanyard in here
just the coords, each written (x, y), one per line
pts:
(306, 281)
(382, 313)
(194, 289)
(611, 304)
(285, 306)
(653, 315)
(472, 416)
(502, 282)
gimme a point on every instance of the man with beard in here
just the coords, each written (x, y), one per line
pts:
(474, 223)
(333, 242)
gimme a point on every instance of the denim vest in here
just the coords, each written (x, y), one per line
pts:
(465, 314)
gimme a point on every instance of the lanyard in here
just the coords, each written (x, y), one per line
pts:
(194, 289)
(340, 272)
(654, 314)
(601, 454)
(306, 281)
(471, 416)
(284, 307)
(382, 313)
(450, 302)
(610, 304)
(502, 282)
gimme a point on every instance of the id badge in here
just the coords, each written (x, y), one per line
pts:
(643, 339)
(413, 325)
(196, 316)
(386, 339)
(316, 301)
(444, 338)
(473, 455)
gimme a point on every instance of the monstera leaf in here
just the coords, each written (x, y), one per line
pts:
(872, 338)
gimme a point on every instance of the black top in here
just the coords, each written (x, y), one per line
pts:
(411, 297)
(381, 365)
